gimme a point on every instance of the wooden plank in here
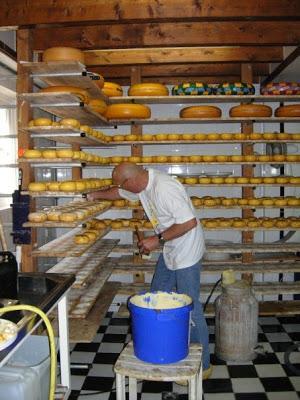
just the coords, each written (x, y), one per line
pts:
(202, 99)
(84, 330)
(191, 54)
(233, 248)
(46, 193)
(86, 265)
(182, 71)
(169, 121)
(265, 308)
(69, 73)
(259, 288)
(84, 11)
(82, 300)
(64, 245)
(179, 33)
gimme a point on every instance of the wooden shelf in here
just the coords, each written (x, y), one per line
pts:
(225, 120)
(57, 224)
(168, 142)
(64, 245)
(66, 73)
(202, 99)
(208, 163)
(65, 105)
(65, 135)
(219, 228)
(232, 248)
(57, 162)
(46, 193)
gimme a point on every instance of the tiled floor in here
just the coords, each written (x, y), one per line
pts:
(266, 378)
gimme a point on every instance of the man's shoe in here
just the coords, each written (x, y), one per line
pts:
(206, 373)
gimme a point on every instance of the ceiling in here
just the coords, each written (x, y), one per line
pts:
(165, 40)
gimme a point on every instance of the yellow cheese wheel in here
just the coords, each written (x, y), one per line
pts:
(131, 138)
(37, 217)
(174, 136)
(148, 89)
(174, 159)
(187, 136)
(127, 111)
(49, 153)
(53, 186)
(147, 137)
(63, 54)
(195, 158)
(42, 122)
(80, 185)
(31, 153)
(99, 80)
(81, 239)
(64, 153)
(67, 186)
(161, 137)
(135, 159)
(200, 136)
(112, 89)
(118, 138)
(53, 215)
(81, 93)
(212, 136)
(37, 186)
(98, 105)
(251, 110)
(147, 159)
(292, 110)
(161, 159)
(70, 122)
(67, 217)
(200, 112)
(229, 179)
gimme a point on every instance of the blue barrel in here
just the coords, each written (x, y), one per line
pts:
(160, 336)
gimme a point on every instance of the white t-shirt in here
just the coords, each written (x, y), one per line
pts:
(166, 202)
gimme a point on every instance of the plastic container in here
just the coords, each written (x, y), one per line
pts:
(160, 335)
(27, 374)
(236, 327)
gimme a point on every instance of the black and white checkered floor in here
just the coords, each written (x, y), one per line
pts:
(266, 378)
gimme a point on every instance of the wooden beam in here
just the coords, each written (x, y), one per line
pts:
(32, 12)
(285, 63)
(180, 70)
(168, 55)
(107, 36)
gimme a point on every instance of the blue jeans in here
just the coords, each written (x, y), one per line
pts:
(186, 280)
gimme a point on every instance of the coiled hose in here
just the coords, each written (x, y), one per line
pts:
(24, 307)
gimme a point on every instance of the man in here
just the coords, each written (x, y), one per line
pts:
(176, 227)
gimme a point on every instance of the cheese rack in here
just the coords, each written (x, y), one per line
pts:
(67, 105)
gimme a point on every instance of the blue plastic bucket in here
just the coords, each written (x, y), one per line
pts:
(160, 335)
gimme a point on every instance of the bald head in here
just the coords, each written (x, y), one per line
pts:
(129, 172)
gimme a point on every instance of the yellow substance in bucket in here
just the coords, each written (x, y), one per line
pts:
(161, 300)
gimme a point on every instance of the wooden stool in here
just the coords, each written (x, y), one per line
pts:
(189, 369)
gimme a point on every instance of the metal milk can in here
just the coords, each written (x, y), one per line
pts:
(236, 328)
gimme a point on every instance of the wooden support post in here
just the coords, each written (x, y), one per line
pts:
(24, 85)
(76, 171)
(247, 171)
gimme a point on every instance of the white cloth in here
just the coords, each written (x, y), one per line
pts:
(166, 202)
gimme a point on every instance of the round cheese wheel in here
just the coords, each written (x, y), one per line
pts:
(49, 153)
(192, 89)
(148, 89)
(81, 93)
(174, 159)
(111, 89)
(131, 138)
(31, 153)
(251, 110)
(200, 112)
(70, 122)
(67, 186)
(64, 153)
(118, 138)
(174, 136)
(147, 159)
(81, 239)
(195, 158)
(80, 185)
(37, 217)
(187, 136)
(63, 54)
(200, 136)
(37, 186)
(98, 79)
(292, 110)
(147, 137)
(53, 186)
(42, 122)
(280, 88)
(53, 215)
(161, 137)
(237, 88)
(98, 105)
(67, 217)
(127, 111)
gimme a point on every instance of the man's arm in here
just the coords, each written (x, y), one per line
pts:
(105, 194)
(173, 232)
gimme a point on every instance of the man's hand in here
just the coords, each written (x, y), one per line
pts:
(148, 244)
(90, 196)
